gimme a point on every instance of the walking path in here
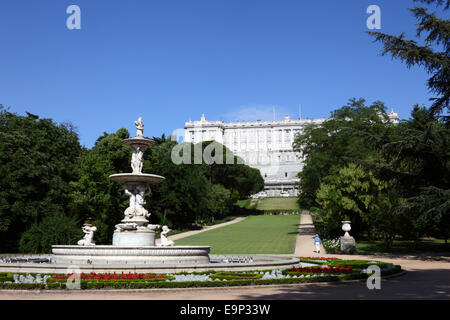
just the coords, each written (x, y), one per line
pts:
(304, 246)
(190, 233)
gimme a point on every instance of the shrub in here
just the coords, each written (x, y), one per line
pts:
(53, 229)
(331, 245)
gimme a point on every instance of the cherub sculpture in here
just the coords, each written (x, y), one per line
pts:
(164, 240)
(142, 192)
(139, 128)
(88, 236)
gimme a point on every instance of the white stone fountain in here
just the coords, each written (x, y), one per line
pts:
(135, 229)
(134, 238)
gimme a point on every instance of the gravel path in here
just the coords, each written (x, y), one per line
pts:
(305, 246)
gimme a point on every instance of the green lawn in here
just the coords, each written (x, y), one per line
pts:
(256, 234)
(278, 203)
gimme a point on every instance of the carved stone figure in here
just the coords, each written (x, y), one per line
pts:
(164, 240)
(88, 236)
(137, 160)
(142, 191)
(131, 210)
(139, 128)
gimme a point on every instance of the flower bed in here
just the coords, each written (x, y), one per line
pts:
(112, 276)
(326, 270)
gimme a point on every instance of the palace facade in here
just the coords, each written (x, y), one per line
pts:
(265, 145)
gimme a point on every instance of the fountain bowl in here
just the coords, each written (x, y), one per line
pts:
(137, 178)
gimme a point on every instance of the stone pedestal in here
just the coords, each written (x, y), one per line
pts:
(134, 238)
(347, 244)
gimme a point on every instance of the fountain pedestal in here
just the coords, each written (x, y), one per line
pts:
(138, 238)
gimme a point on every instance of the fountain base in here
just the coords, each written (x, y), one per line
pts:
(150, 255)
(134, 238)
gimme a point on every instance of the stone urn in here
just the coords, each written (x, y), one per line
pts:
(346, 228)
(347, 242)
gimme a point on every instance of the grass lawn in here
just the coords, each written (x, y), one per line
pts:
(402, 246)
(278, 203)
(256, 234)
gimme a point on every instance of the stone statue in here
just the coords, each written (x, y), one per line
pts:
(137, 160)
(130, 212)
(137, 196)
(142, 191)
(88, 236)
(139, 128)
(164, 240)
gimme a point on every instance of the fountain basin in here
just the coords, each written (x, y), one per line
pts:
(139, 142)
(130, 254)
(260, 262)
(137, 178)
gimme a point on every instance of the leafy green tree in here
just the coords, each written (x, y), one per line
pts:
(356, 194)
(38, 163)
(219, 204)
(229, 170)
(332, 145)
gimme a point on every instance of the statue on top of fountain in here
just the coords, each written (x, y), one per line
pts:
(139, 128)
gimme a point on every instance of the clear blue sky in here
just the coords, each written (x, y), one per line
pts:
(168, 61)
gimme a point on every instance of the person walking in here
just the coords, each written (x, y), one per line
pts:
(317, 243)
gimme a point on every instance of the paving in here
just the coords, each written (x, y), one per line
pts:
(304, 246)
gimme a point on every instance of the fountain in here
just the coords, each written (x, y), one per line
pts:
(133, 245)
(134, 238)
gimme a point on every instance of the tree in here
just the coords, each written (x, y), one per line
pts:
(356, 194)
(37, 159)
(225, 168)
(331, 145)
(436, 63)
(417, 158)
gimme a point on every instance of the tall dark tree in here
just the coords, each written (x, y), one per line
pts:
(435, 62)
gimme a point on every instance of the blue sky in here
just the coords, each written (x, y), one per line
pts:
(170, 61)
